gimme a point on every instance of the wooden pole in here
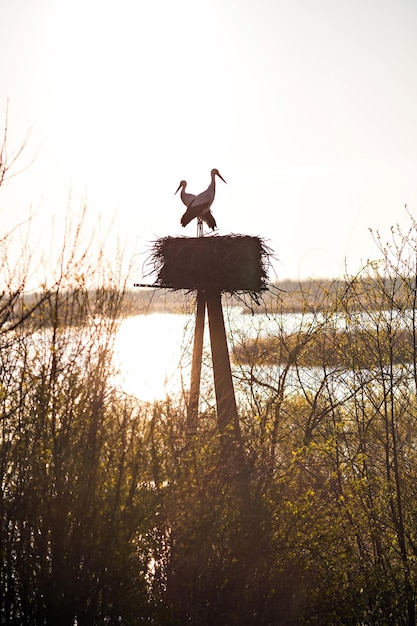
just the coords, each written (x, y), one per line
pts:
(225, 395)
(192, 411)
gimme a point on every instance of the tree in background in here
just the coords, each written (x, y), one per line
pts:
(76, 494)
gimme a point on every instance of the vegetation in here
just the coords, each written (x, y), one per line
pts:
(112, 512)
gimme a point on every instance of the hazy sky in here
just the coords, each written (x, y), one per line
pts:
(307, 108)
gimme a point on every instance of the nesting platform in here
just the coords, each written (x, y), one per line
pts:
(234, 263)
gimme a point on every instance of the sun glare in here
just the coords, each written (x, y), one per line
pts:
(148, 354)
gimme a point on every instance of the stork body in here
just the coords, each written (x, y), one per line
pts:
(200, 206)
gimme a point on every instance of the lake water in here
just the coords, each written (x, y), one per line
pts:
(154, 351)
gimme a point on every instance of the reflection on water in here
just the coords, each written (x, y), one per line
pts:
(148, 353)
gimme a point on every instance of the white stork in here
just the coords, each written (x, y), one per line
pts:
(199, 207)
(187, 198)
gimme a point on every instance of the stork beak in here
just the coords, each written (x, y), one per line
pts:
(220, 176)
(179, 187)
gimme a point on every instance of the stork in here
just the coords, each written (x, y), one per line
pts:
(199, 207)
(187, 198)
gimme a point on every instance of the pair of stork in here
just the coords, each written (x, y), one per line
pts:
(199, 206)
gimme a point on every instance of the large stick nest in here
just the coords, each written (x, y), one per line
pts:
(235, 263)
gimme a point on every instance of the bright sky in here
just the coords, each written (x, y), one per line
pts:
(307, 108)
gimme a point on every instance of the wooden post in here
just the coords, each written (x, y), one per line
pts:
(225, 395)
(192, 411)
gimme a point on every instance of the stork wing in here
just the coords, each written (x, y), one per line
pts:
(209, 220)
(195, 209)
(189, 215)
